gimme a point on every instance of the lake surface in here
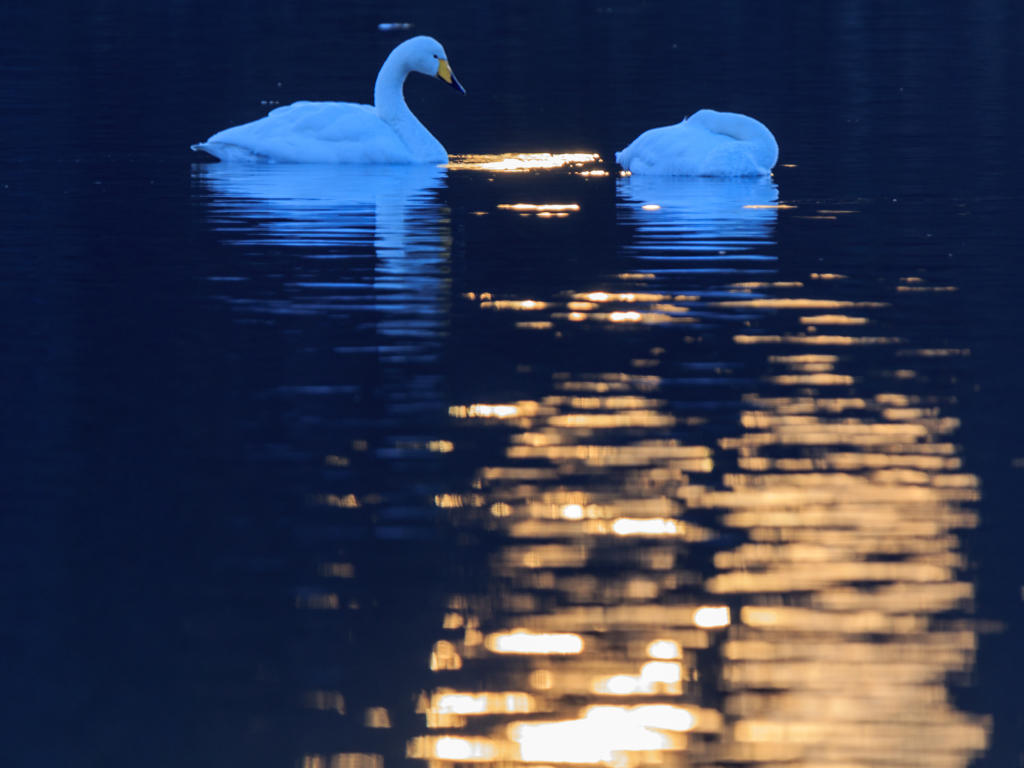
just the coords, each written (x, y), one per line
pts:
(517, 460)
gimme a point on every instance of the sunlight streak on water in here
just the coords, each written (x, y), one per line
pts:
(543, 208)
(831, 509)
(521, 162)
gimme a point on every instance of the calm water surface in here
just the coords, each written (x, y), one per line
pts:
(517, 460)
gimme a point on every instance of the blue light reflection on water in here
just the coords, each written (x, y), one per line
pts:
(382, 222)
(719, 219)
(348, 270)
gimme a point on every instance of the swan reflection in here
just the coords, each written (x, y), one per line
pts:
(373, 241)
(316, 204)
(706, 218)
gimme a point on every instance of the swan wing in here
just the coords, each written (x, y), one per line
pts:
(313, 132)
(753, 151)
(733, 158)
(673, 150)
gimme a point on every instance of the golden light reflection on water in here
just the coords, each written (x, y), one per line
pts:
(833, 320)
(836, 654)
(541, 208)
(775, 589)
(818, 341)
(526, 642)
(545, 210)
(343, 760)
(605, 635)
(521, 162)
(817, 631)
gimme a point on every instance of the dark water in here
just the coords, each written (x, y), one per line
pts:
(289, 454)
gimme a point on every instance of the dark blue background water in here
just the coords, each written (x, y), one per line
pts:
(170, 384)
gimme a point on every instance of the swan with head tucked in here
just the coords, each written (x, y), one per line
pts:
(709, 143)
(343, 132)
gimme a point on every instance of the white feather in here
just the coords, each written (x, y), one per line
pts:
(709, 143)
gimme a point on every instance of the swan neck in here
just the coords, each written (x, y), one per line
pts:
(387, 91)
(389, 103)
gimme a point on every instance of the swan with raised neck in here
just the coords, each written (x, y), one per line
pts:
(342, 132)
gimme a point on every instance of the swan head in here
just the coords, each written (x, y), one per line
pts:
(424, 54)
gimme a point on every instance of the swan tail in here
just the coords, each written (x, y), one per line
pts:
(229, 152)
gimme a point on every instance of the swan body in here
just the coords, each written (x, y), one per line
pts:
(341, 132)
(708, 143)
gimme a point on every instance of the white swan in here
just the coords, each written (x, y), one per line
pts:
(343, 132)
(709, 143)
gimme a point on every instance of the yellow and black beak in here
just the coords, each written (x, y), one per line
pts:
(445, 73)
